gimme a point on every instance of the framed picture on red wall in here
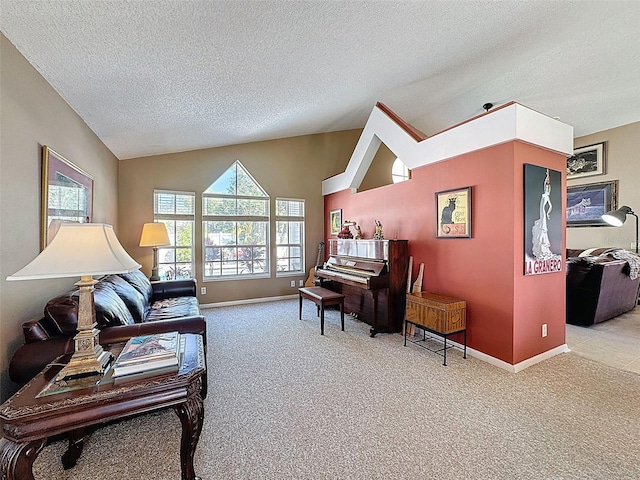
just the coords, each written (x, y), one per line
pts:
(542, 220)
(453, 213)
(335, 218)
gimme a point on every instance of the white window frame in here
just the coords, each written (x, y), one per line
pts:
(266, 220)
(289, 219)
(175, 217)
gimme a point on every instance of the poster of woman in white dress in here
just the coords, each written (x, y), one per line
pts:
(542, 220)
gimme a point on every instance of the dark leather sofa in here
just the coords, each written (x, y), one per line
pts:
(599, 286)
(127, 305)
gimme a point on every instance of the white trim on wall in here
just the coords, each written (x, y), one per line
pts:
(512, 122)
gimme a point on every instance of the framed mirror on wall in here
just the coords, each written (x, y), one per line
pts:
(67, 194)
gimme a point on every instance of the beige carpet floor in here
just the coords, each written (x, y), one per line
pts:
(287, 403)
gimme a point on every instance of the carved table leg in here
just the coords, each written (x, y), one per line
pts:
(16, 459)
(191, 414)
(76, 444)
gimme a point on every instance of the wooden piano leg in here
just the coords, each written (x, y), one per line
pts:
(374, 329)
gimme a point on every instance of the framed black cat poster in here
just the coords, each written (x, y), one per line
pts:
(453, 213)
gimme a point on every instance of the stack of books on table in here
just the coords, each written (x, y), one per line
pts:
(149, 355)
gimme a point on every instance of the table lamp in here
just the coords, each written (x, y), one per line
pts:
(619, 216)
(81, 250)
(154, 235)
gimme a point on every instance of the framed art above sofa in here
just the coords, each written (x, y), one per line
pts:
(67, 194)
(587, 203)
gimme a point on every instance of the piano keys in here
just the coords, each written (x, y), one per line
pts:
(372, 275)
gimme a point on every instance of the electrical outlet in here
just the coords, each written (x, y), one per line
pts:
(544, 329)
(293, 283)
(301, 283)
(203, 290)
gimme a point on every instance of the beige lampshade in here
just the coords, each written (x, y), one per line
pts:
(78, 250)
(154, 235)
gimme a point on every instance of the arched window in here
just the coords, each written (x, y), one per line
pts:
(399, 171)
(235, 226)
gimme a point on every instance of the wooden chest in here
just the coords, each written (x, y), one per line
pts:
(435, 312)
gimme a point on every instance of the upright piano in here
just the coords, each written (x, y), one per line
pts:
(372, 275)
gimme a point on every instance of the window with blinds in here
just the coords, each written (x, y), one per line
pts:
(177, 211)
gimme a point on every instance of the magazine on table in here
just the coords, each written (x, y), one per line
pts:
(129, 377)
(153, 354)
(146, 347)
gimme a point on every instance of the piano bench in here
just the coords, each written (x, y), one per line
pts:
(322, 297)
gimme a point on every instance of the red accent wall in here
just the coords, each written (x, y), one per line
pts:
(505, 309)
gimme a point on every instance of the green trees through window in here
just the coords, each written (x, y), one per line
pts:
(236, 225)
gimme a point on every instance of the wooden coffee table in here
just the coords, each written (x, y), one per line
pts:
(28, 419)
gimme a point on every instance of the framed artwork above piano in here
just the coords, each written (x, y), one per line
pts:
(372, 275)
(453, 213)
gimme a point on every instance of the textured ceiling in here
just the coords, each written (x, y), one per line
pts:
(160, 76)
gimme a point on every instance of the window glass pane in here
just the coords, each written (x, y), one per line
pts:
(164, 203)
(246, 185)
(252, 233)
(282, 232)
(295, 232)
(166, 255)
(211, 254)
(212, 269)
(184, 270)
(251, 207)
(185, 204)
(236, 181)
(171, 230)
(289, 208)
(183, 254)
(218, 233)
(184, 233)
(176, 271)
(225, 184)
(218, 206)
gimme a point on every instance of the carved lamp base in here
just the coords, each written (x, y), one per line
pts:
(89, 359)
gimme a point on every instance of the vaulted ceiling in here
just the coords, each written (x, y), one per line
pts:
(160, 76)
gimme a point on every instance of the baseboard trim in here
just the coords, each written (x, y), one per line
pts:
(518, 367)
(496, 362)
